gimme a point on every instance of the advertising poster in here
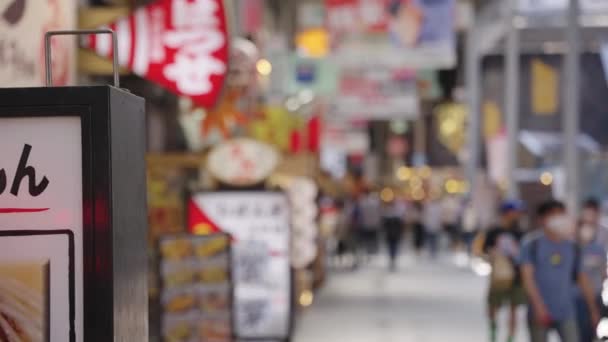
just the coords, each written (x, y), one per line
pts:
(373, 92)
(22, 27)
(259, 224)
(406, 33)
(197, 292)
(41, 229)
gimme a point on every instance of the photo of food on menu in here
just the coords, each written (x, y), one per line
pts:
(196, 296)
(24, 301)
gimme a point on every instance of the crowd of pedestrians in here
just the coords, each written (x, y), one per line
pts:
(366, 222)
(555, 266)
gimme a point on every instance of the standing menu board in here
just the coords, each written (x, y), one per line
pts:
(259, 223)
(196, 294)
(72, 215)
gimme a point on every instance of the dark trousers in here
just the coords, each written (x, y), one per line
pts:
(432, 242)
(393, 244)
(585, 327)
(393, 230)
(368, 240)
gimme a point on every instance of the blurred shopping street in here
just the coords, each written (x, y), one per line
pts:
(423, 301)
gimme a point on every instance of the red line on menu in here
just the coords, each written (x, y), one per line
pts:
(22, 210)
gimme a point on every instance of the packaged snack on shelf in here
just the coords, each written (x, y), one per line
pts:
(177, 273)
(176, 248)
(180, 327)
(213, 246)
(179, 299)
(215, 300)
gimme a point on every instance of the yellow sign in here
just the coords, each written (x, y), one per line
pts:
(492, 119)
(544, 88)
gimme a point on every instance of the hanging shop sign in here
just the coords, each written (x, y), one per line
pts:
(400, 33)
(23, 24)
(242, 162)
(373, 92)
(72, 215)
(180, 44)
(196, 296)
(259, 224)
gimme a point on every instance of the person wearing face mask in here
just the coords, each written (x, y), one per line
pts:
(551, 266)
(590, 215)
(593, 255)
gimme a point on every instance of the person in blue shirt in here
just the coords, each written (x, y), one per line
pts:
(550, 268)
(593, 255)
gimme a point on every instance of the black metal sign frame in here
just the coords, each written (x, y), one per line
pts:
(113, 193)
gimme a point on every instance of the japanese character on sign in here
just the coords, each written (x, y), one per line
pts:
(196, 35)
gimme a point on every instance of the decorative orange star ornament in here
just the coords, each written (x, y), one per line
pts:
(224, 114)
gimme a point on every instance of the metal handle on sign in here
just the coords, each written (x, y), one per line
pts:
(47, 51)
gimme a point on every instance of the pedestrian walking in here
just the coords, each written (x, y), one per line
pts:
(432, 226)
(371, 222)
(393, 220)
(593, 255)
(550, 267)
(415, 219)
(591, 216)
(346, 249)
(502, 247)
(451, 212)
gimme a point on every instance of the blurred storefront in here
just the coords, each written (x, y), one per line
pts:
(23, 25)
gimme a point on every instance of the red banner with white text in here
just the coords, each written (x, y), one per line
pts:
(180, 44)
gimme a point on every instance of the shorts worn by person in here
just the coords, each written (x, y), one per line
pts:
(501, 245)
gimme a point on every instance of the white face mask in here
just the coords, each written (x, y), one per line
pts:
(561, 225)
(587, 233)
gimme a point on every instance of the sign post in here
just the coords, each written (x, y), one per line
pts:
(72, 215)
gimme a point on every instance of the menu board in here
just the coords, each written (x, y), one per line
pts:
(259, 223)
(41, 195)
(196, 296)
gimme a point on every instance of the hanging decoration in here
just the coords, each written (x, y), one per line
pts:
(225, 115)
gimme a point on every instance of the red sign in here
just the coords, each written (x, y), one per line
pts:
(180, 44)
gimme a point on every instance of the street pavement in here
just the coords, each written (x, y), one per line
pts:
(424, 301)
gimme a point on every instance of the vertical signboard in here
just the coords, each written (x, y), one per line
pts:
(72, 215)
(259, 223)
